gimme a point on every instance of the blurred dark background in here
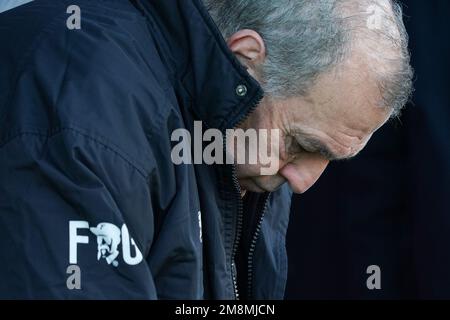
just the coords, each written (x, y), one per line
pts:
(390, 206)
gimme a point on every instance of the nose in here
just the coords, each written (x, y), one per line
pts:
(304, 171)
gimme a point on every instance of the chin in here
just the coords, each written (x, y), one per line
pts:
(262, 184)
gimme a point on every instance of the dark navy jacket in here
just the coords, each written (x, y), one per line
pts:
(86, 177)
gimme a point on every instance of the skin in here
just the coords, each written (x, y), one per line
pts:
(333, 122)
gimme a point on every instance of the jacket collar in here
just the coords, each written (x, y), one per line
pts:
(220, 88)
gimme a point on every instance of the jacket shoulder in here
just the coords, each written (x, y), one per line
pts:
(105, 78)
(26, 29)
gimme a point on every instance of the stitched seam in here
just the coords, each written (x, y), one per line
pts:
(107, 147)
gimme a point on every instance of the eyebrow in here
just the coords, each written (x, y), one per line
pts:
(314, 145)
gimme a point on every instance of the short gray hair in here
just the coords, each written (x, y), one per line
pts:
(305, 38)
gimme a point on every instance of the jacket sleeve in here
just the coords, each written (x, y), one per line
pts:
(76, 220)
(76, 215)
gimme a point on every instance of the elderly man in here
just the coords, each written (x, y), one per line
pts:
(87, 116)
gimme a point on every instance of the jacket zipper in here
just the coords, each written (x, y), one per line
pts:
(238, 190)
(239, 224)
(253, 246)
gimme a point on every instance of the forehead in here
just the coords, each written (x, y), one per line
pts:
(340, 114)
(350, 98)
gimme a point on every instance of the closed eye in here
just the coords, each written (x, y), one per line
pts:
(315, 146)
(293, 147)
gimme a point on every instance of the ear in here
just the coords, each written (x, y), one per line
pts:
(249, 47)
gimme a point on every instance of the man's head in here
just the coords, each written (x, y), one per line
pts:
(334, 71)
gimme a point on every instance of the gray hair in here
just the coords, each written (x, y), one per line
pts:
(305, 38)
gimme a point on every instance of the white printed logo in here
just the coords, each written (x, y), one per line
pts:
(108, 240)
(109, 237)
